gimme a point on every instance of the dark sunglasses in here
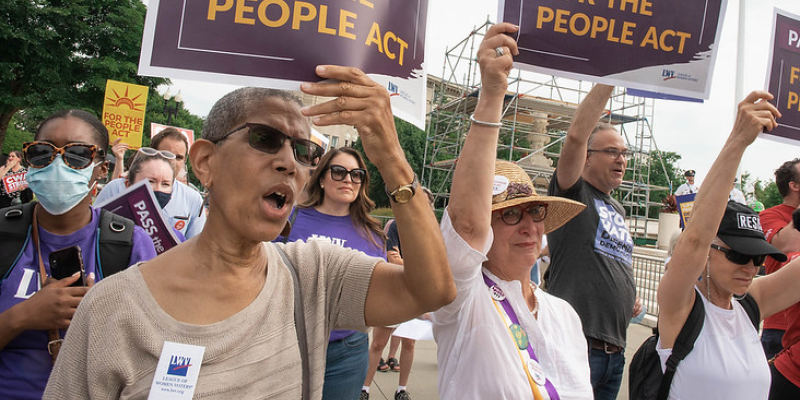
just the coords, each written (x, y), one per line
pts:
(270, 140)
(75, 155)
(739, 258)
(338, 173)
(512, 215)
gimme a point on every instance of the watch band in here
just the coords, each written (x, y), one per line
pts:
(403, 193)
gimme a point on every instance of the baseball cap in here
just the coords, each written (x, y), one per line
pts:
(689, 172)
(740, 229)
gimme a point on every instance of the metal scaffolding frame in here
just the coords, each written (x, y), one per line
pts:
(531, 98)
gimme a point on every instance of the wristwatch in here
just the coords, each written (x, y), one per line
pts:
(404, 193)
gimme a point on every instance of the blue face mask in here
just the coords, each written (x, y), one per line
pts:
(59, 188)
(163, 198)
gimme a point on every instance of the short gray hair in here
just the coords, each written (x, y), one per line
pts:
(601, 126)
(237, 105)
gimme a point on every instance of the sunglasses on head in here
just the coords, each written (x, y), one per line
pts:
(151, 152)
(338, 173)
(513, 215)
(270, 140)
(75, 155)
(739, 258)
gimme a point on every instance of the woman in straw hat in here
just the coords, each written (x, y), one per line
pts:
(503, 337)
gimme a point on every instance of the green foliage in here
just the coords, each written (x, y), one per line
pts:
(58, 54)
(767, 194)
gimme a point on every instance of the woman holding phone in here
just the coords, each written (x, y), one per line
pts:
(66, 159)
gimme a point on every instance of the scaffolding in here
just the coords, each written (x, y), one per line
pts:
(537, 113)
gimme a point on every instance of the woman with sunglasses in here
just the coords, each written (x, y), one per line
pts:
(224, 302)
(12, 166)
(715, 260)
(155, 166)
(66, 159)
(335, 209)
(503, 337)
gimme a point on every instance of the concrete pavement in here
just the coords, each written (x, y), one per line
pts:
(422, 383)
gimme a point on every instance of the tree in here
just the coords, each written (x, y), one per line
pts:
(767, 194)
(59, 53)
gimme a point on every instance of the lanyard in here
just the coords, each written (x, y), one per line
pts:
(551, 390)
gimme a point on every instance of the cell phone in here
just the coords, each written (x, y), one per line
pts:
(66, 262)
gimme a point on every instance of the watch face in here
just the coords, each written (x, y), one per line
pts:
(403, 195)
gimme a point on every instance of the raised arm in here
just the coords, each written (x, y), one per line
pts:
(676, 289)
(573, 153)
(425, 283)
(471, 194)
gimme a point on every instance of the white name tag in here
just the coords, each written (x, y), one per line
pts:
(177, 371)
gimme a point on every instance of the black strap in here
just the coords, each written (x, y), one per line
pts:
(684, 344)
(299, 324)
(15, 229)
(751, 308)
(115, 243)
(291, 224)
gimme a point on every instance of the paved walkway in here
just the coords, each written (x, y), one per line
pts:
(422, 384)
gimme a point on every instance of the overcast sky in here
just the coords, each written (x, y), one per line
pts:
(696, 131)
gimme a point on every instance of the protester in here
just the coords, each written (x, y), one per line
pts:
(185, 209)
(780, 231)
(689, 187)
(12, 166)
(591, 256)
(231, 293)
(118, 149)
(503, 337)
(736, 194)
(66, 160)
(335, 209)
(722, 245)
(155, 166)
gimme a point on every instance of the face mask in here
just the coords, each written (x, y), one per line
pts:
(163, 198)
(58, 187)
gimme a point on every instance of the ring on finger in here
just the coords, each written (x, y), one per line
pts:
(499, 51)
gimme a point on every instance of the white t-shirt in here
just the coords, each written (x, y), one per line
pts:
(476, 355)
(686, 188)
(727, 361)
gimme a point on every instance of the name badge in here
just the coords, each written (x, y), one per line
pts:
(177, 371)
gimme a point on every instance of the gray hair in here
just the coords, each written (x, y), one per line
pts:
(238, 105)
(601, 126)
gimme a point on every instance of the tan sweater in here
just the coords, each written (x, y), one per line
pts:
(115, 340)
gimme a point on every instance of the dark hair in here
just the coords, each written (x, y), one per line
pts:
(138, 162)
(786, 173)
(169, 133)
(359, 209)
(18, 153)
(100, 131)
(237, 105)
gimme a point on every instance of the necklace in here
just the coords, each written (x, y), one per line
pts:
(535, 311)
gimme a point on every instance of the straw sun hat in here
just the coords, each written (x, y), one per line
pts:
(512, 186)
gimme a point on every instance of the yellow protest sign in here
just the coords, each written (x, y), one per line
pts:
(123, 112)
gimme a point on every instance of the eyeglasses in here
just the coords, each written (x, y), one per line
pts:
(338, 173)
(613, 153)
(151, 152)
(270, 140)
(513, 215)
(75, 155)
(739, 258)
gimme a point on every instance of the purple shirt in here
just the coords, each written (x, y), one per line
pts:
(25, 364)
(311, 224)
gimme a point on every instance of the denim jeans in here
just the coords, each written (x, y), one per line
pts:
(346, 367)
(606, 373)
(771, 342)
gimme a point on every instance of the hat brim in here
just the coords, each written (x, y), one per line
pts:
(559, 209)
(753, 247)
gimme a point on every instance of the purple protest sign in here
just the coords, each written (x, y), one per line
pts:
(661, 46)
(278, 43)
(783, 79)
(138, 203)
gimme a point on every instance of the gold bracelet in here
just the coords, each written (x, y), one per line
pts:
(484, 123)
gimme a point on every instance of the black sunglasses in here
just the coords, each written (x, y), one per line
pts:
(75, 155)
(338, 173)
(270, 140)
(512, 215)
(739, 258)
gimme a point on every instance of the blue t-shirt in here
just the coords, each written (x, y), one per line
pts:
(310, 225)
(25, 363)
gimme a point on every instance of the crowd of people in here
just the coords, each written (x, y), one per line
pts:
(277, 280)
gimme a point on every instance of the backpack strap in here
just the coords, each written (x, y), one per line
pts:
(684, 344)
(291, 224)
(115, 243)
(15, 230)
(751, 308)
(299, 324)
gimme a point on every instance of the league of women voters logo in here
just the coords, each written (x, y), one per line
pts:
(178, 365)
